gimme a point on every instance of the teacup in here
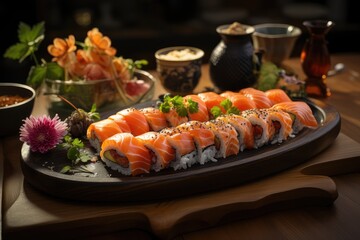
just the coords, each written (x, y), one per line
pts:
(179, 68)
(276, 39)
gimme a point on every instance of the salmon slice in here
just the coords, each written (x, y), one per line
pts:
(127, 154)
(136, 120)
(202, 114)
(211, 100)
(173, 119)
(121, 122)
(277, 95)
(98, 131)
(302, 112)
(159, 146)
(238, 100)
(259, 97)
(155, 118)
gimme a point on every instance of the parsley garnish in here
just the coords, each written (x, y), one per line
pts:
(76, 153)
(177, 103)
(227, 105)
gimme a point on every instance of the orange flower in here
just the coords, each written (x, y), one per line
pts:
(63, 50)
(103, 43)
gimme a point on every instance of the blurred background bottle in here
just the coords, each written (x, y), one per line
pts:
(315, 58)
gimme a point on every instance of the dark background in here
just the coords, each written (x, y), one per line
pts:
(138, 28)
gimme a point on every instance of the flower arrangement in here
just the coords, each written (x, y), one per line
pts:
(92, 59)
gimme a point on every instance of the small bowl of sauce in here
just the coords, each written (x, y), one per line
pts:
(16, 104)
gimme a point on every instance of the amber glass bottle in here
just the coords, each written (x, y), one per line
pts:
(315, 58)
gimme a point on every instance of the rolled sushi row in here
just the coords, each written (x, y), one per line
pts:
(139, 121)
(196, 142)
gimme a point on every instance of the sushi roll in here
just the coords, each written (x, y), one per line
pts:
(162, 153)
(243, 128)
(259, 97)
(155, 118)
(174, 119)
(136, 120)
(121, 122)
(202, 114)
(277, 95)
(126, 154)
(184, 146)
(261, 125)
(98, 131)
(238, 100)
(211, 100)
(301, 114)
(281, 122)
(226, 141)
(204, 140)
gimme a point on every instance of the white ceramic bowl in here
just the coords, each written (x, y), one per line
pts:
(276, 39)
(179, 68)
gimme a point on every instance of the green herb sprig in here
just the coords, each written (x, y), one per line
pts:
(177, 103)
(227, 105)
(76, 153)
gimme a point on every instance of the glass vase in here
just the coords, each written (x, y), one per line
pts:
(315, 58)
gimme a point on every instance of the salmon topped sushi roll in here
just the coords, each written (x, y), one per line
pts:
(261, 125)
(301, 113)
(126, 154)
(202, 114)
(174, 119)
(259, 97)
(212, 99)
(136, 120)
(204, 139)
(226, 141)
(238, 100)
(161, 151)
(185, 150)
(281, 123)
(155, 118)
(98, 131)
(121, 122)
(277, 95)
(244, 129)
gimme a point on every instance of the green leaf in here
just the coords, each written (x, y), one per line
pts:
(65, 169)
(226, 104)
(72, 153)
(36, 76)
(77, 143)
(16, 51)
(54, 71)
(193, 106)
(31, 36)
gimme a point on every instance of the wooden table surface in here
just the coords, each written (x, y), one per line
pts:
(339, 221)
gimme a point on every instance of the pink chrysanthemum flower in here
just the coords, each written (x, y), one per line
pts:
(42, 133)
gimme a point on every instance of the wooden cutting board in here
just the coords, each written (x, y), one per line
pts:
(27, 211)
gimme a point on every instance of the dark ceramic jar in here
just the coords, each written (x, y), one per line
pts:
(232, 62)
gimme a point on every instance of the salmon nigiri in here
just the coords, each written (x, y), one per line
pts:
(136, 120)
(238, 100)
(155, 118)
(258, 96)
(302, 113)
(161, 150)
(277, 95)
(126, 154)
(202, 114)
